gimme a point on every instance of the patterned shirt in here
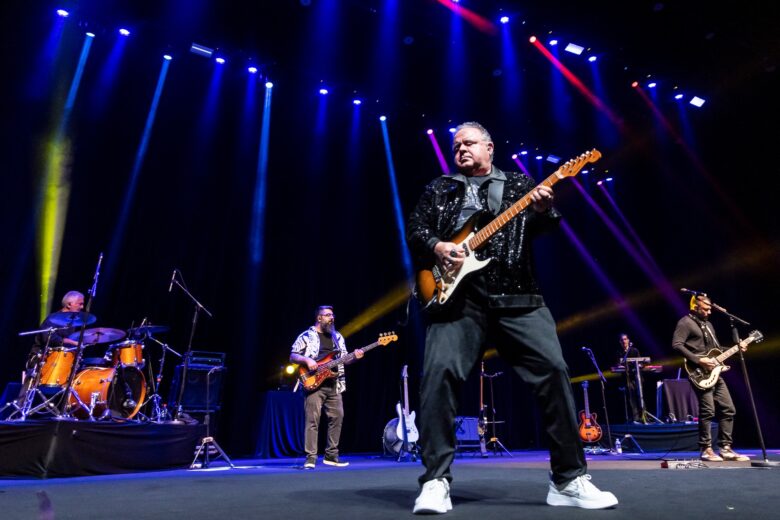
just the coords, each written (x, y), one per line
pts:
(308, 344)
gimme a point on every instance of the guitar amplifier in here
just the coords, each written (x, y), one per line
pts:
(466, 432)
(211, 359)
(202, 392)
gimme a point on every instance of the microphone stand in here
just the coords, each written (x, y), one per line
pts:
(64, 402)
(603, 381)
(733, 320)
(188, 354)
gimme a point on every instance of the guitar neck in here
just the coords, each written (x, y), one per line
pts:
(406, 394)
(484, 234)
(345, 358)
(727, 354)
(587, 404)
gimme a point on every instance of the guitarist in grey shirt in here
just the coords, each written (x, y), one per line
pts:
(694, 337)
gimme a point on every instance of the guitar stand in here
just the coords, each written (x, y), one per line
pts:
(410, 453)
(205, 447)
(496, 444)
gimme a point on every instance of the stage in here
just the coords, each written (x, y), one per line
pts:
(374, 487)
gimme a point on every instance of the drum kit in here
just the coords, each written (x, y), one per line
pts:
(111, 387)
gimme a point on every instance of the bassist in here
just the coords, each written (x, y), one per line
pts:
(693, 337)
(314, 343)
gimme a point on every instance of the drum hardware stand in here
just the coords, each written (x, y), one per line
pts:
(494, 442)
(159, 414)
(603, 381)
(25, 408)
(208, 441)
(198, 307)
(645, 413)
(733, 320)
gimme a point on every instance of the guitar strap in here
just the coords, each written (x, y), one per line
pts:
(710, 340)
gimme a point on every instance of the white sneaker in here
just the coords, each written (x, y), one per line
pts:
(580, 493)
(434, 497)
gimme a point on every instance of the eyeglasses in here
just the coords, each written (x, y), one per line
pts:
(329, 315)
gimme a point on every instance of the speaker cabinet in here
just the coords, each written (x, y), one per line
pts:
(195, 398)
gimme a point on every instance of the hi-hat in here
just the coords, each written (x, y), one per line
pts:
(72, 319)
(99, 335)
(147, 330)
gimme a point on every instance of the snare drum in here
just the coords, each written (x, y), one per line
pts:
(128, 353)
(108, 385)
(57, 364)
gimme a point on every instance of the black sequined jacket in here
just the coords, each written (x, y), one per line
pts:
(510, 276)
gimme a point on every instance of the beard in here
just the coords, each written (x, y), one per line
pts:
(327, 327)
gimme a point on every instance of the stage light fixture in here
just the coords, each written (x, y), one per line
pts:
(599, 183)
(523, 152)
(504, 19)
(124, 32)
(252, 70)
(514, 156)
(592, 59)
(357, 102)
(532, 39)
(167, 57)
(678, 96)
(574, 48)
(429, 131)
(268, 84)
(452, 130)
(608, 179)
(289, 370)
(221, 61)
(63, 13)
(382, 118)
(553, 159)
(697, 101)
(652, 84)
(553, 43)
(324, 91)
(91, 34)
(539, 157)
(201, 50)
(634, 84)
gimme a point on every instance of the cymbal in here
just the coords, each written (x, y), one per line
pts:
(147, 329)
(99, 335)
(72, 319)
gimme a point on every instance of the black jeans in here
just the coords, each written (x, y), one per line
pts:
(715, 403)
(328, 398)
(527, 340)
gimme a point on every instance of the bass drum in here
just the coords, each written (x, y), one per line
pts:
(390, 438)
(108, 385)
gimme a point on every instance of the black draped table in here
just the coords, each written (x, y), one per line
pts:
(282, 424)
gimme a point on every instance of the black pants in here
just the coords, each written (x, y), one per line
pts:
(632, 398)
(715, 403)
(527, 340)
(327, 397)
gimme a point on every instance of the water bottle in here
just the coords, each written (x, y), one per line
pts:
(618, 447)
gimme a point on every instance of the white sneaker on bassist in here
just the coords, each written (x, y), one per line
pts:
(580, 493)
(434, 497)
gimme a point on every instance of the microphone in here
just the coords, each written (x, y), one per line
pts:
(691, 291)
(173, 277)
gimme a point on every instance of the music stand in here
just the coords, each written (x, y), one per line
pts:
(494, 438)
(208, 441)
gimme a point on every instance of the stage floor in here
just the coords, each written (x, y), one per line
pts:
(374, 487)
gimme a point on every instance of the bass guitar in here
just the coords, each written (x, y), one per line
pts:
(327, 366)
(705, 378)
(406, 429)
(435, 286)
(590, 431)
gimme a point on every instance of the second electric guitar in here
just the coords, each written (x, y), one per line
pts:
(435, 286)
(406, 429)
(590, 431)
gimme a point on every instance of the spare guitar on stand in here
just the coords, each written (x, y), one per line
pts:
(401, 435)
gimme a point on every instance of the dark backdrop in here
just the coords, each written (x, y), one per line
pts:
(702, 202)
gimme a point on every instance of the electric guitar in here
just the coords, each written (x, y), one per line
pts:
(435, 285)
(326, 367)
(406, 429)
(704, 378)
(590, 431)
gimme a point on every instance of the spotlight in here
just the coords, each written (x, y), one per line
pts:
(634, 84)
(574, 48)
(252, 70)
(553, 159)
(584, 172)
(678, 96)
(357, 102)
(697, 101)
(91, 35)
(539, 157)
(324, 91)
(608, 179)
(652, 84)
(63, 13)
(532, 39)
(504, 19)
(514, 156)
(599, 183)
(167, 57)
(524, 152)
(201, 50)
(553, 43)
(429, 131)
(124, 32)
(268, 84)
(452, 130)
(382, 118)
(289, 370)
(592, 59)
(221, 61)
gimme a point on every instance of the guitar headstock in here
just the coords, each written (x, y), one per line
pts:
(585, 385)
(573, 166)
(404, 371)
(755, 337)
(386, 338)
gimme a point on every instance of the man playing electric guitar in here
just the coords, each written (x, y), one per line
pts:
(316, 342)
(693, 337)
